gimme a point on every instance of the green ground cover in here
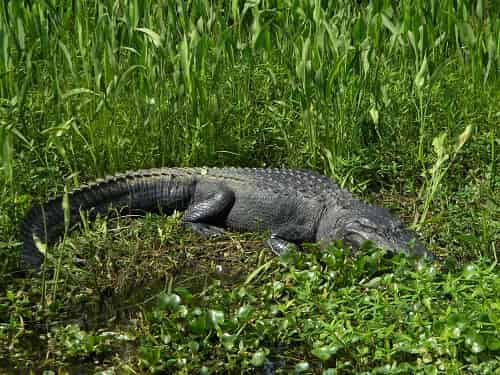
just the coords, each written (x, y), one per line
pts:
(397, 100)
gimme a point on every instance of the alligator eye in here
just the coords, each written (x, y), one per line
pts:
(368, 228)
(367, 225)
(354, 239)
(359, 225)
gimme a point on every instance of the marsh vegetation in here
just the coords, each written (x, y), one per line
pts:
(396, 100)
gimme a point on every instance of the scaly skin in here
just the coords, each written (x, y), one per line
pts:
(295, 206)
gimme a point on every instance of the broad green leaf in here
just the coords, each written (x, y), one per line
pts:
(170, 301)
(228, 340)
(462, 138)
(78, 91)
(493, 343)
(301, 367)
(421, 75)
(244, 312)
(216, 317)
(374, 115)
(154, 36)
(475, 342)
(324, 352)
(258, 358)
(438, 144)
(388, 23)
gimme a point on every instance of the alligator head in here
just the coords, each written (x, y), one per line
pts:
(365, 223)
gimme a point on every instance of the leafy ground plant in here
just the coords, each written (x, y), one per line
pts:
(357, 90)
(187, 310)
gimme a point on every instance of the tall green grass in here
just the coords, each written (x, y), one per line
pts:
(398, 100)
(91, 87)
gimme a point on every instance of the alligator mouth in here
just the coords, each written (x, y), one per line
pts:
(355, 240)
(408, 243)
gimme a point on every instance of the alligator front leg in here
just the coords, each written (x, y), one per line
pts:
(207, 216)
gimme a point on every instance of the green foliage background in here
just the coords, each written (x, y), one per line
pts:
(397, 100)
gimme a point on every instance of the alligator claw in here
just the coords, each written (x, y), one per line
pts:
(278, 245)
(204, 230)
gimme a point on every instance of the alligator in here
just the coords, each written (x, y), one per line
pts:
(294, 206)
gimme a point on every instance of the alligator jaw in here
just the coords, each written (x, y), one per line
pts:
(401, 241)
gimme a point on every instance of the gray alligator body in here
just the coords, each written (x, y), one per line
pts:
(295, 206)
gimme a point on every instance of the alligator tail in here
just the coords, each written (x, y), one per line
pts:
(142, 191)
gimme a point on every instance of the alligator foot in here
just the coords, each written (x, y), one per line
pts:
(278, 245)
(204, 230)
